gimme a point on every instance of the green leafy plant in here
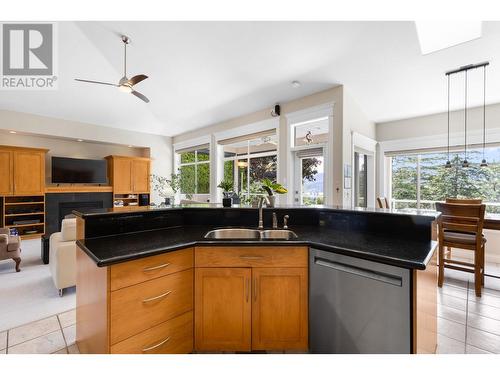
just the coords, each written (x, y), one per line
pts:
(164, 186)
(273, 187)
(227, 188)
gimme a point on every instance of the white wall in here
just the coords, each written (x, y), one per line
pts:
(160, 147)
(334, 95)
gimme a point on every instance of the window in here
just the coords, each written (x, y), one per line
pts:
(312, 132)
(194, 169)
(248, 160)
(420, 180)
(360, 180)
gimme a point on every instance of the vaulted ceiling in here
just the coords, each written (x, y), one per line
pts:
(202, 73)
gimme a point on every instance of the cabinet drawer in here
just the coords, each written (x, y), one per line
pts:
(142, 306)
(171, 337)
(140, 270)
(262, 256)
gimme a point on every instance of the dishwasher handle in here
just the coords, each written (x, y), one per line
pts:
(362, 272)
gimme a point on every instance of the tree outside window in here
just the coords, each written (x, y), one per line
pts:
(436, 183)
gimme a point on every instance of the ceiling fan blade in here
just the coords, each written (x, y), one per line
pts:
(140, 96)
(98, 82)
(136, 79)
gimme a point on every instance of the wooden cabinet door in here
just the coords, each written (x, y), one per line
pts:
(223, 309)
(6, 177)
(29, 173)
(280, 309)
(122, 182)
(140, 176)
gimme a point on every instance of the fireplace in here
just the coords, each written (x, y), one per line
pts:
(59, 205)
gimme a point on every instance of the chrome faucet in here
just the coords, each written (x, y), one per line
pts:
(261, 222)
(275, 221)
(285, 221)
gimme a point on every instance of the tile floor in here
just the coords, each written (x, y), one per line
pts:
(466, 324)
(55, 334)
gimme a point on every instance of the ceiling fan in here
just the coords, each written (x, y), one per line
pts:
(124, 84)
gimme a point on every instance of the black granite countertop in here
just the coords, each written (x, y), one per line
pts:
(99, 212)
(400, 252)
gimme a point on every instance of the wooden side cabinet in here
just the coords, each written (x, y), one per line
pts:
(6, 172)
(251, 298)
(22, 171)
(129, 175)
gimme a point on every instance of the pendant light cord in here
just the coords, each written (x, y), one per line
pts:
(448, 118)
(465, 119)
(484, 109)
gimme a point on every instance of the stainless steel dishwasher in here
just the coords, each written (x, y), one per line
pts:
(357, 306)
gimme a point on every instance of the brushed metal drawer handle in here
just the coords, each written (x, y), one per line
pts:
(250, 257)
(157, 345)
(157, 297)
(156, 267)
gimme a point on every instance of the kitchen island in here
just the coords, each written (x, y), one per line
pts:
(148, 281)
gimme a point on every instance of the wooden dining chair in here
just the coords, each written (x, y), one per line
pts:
(461, 226)
(464, 201)
(461, 201)
(383, 202)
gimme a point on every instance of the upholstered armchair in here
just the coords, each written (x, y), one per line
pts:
(10, 247)
(62, 255)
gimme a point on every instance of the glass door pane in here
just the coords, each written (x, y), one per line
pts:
(360, 180)
(312, 187)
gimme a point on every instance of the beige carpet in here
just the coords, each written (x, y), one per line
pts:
(30, 295)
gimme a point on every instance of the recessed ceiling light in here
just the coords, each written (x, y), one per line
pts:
(79, 140)
(296, 84)
(437, 35)
(12, 132)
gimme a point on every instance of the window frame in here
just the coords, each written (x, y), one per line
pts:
(196, 163)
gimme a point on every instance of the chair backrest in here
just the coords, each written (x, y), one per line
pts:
(68, 229)
(383, 202)
(464, 201)
(463, 218)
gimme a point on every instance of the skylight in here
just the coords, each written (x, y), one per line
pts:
(437, 35)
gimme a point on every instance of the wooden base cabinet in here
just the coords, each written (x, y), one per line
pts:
(259, 304)
(143, 306)
(279, 309)
(223, 312)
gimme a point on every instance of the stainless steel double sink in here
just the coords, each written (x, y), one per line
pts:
(250, 234)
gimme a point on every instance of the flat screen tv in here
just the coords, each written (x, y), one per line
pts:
(78, 171)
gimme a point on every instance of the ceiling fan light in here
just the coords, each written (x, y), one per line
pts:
(125, 88)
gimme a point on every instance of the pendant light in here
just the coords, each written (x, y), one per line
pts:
(483, 162)
(448, 162)
(465, 162)
(465, 69)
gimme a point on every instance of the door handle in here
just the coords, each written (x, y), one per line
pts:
(250, 257)
(157, 297)
(247, 288)
(155, 267)
(157, 345)
(362, 272)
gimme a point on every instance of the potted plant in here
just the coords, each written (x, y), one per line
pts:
(271, 188)
(227, 192)
(165, 188)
